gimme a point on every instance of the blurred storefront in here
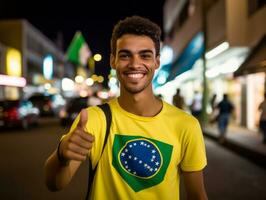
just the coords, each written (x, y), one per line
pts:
(32, 56)
(11, 80)
(232, 30)
(252, 74)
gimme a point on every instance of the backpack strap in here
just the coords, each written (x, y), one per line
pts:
(108, 116)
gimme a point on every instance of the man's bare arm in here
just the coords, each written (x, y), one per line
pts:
(194, 185)
(63, 163)
(58, 176)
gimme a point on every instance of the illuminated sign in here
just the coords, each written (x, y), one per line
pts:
(48, 67)
(12, 81)
(13, 62)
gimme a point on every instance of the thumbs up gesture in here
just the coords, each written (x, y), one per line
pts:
(76, 145)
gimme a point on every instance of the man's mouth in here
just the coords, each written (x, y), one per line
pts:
(135, 76)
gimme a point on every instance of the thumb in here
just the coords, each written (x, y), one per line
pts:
(83, 118)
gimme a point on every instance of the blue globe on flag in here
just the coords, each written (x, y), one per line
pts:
(141, 158)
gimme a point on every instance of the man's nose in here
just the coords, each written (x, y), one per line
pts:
(136, 61)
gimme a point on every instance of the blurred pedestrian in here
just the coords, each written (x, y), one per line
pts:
(214, 112)
(262, 123)
(196, 105)
(225, 109)
(150, 143)
(178, 100)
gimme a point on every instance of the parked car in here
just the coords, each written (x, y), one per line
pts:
(72, 108)
(18, 113)
(49, 105)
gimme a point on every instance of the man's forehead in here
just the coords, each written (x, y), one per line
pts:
(135, 43)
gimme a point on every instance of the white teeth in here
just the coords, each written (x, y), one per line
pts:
(135, 75)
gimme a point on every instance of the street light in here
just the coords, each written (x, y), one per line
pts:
(79, 79)
(97, 57)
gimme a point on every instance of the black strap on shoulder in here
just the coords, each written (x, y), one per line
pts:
(108, 116)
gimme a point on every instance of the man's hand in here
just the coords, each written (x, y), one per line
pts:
(77, 145)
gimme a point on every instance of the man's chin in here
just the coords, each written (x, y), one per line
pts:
(134, 90)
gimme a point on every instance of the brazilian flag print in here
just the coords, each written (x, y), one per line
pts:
(140, 161)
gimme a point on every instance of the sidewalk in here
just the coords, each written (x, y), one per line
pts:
(245, 142)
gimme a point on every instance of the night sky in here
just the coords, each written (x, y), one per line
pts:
(95, 19)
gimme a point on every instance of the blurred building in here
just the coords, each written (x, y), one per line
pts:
(233, 29)
(28, 54)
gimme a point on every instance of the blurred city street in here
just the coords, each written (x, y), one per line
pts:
(23, 153)
(209, 60)
(22, 167)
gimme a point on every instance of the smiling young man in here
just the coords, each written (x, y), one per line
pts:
(151, 143)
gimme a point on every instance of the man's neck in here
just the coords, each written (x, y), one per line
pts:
(146, 105)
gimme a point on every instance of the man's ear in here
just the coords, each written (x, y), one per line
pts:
(157, 62)
(112, 61)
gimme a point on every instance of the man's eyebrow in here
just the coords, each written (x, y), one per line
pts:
(123, 51)
(129, 52)
(146, 51)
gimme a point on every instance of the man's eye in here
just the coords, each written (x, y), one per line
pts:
(123, 56)
(146, 56)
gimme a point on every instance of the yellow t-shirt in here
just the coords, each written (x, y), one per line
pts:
(143, 155)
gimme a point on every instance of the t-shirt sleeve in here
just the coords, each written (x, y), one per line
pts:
(193, 154)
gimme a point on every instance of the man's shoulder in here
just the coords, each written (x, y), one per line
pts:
(177, 112)
(185, 123)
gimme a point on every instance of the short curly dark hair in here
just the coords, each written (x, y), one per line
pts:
(136, 25)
